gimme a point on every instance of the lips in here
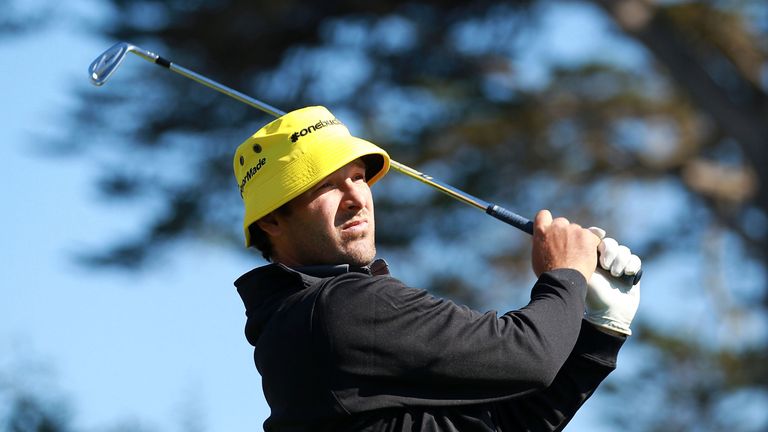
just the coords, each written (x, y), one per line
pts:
(354, 223)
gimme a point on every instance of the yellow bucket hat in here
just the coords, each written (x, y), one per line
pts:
(293, 153)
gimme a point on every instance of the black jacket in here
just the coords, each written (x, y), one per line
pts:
(341, 349)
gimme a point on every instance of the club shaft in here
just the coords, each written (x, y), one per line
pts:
(160, 61)
(494, 210)
(269, 109)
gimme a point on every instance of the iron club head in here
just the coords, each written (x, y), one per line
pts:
(104, 66)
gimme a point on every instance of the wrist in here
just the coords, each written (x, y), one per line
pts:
(609, 326)
(611, 332)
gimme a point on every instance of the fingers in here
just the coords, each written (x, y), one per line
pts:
(558, 243)
(599, 232)
(608, 249)
(613, 257)
(544, 221)
(618, 259)
(622, 258)
(543, 218)
(633, 266)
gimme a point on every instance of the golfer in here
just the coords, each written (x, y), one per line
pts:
(343, 346)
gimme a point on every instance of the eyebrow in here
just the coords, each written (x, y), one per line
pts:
(359, 163)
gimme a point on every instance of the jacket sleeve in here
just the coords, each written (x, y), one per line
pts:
(550, 409)
(382, 339)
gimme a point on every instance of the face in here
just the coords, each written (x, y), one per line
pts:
(332, 223)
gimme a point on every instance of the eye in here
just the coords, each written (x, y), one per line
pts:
(359, 176)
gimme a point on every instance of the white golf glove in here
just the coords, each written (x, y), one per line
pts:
(612, 301)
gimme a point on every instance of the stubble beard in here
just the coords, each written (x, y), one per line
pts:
(362, 252)
(359, 250)
(335, 247)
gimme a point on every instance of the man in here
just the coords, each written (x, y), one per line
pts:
(343, 346)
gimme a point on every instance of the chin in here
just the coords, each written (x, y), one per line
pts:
(360, 258)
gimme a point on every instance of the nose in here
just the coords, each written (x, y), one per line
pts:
(355, 194)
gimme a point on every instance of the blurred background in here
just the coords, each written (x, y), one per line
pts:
(121, 218)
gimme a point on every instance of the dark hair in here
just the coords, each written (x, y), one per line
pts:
(260, 239)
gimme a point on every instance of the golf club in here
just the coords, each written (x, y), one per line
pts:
(105, 65)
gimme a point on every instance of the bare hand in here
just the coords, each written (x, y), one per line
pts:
(560, 244)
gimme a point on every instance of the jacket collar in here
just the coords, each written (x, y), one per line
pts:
(263, 289)
(306, 273)
(376, 268)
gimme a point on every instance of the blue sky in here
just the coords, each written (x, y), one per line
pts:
(147, 348)
(154, 347)
(121, 349)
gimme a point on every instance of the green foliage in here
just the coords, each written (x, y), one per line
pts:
(664, 148)
(18, 18)
(27, 412)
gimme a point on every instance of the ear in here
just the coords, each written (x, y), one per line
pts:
(270, 225)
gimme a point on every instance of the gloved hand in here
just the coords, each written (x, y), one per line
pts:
(612, 302)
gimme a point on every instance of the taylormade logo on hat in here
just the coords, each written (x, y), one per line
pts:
(251, 173)
(311, 128)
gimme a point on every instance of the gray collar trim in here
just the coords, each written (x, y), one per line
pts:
(376, 268)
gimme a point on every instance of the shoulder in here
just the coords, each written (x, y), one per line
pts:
(356, 290)
(352, 291)
(354, 300)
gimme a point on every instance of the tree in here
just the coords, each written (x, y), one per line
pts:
(15, 20)
(665, 149)
(27, 414)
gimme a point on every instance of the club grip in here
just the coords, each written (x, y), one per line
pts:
(526, 225)
(511, 218)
